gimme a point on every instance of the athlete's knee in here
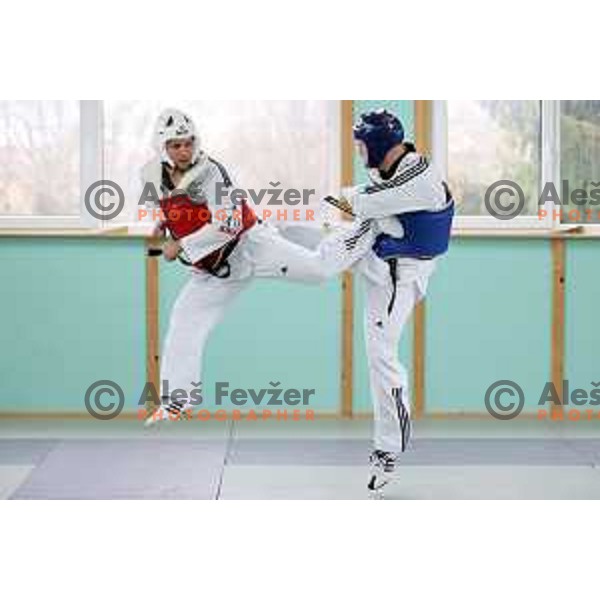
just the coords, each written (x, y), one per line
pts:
(385, 360)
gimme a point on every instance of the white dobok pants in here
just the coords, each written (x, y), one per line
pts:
(264, 252)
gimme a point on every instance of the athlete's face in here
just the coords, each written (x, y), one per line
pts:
(361, 148)
(181, 152)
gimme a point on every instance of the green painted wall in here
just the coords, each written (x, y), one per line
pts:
(488, 317)
(276, 331)
(582, 363)
(72, 311)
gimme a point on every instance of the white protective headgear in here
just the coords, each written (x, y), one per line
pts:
(174, 124)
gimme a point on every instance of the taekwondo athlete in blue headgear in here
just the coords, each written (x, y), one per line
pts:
(410, 209)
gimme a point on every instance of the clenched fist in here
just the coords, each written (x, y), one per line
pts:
(171, 249)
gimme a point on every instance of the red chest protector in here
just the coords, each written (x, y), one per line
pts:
(182, 217)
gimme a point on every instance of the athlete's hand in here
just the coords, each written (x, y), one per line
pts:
(171, 249)
(345, 205)
(341, 204)
(159, 230)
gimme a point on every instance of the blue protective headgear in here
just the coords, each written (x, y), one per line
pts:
(380, 131)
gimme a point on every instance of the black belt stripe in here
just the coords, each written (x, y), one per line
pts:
(393, 265)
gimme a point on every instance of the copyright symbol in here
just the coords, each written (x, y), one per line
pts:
(509, 408)
(500, 200)
(104, 211)
(94, 403)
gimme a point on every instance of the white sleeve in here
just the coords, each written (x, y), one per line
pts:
(417, 188)
(210, 184)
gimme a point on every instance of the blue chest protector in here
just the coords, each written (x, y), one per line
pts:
(426, 235)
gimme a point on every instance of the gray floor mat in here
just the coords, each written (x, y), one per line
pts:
(524, 452)
(422, 452)
(412, 483)
(299, 452)
(587, 448)
(128, 469)
(193, 469)
(25, 452)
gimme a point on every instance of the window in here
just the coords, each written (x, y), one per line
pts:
(39, 164)
(492, 140)
(479, 142)
(530, 142)
(54, 151)
(580, 154)
(291, 142)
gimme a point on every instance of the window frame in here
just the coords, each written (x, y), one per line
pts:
(549, 170)
(90, 170)
(91, 146)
